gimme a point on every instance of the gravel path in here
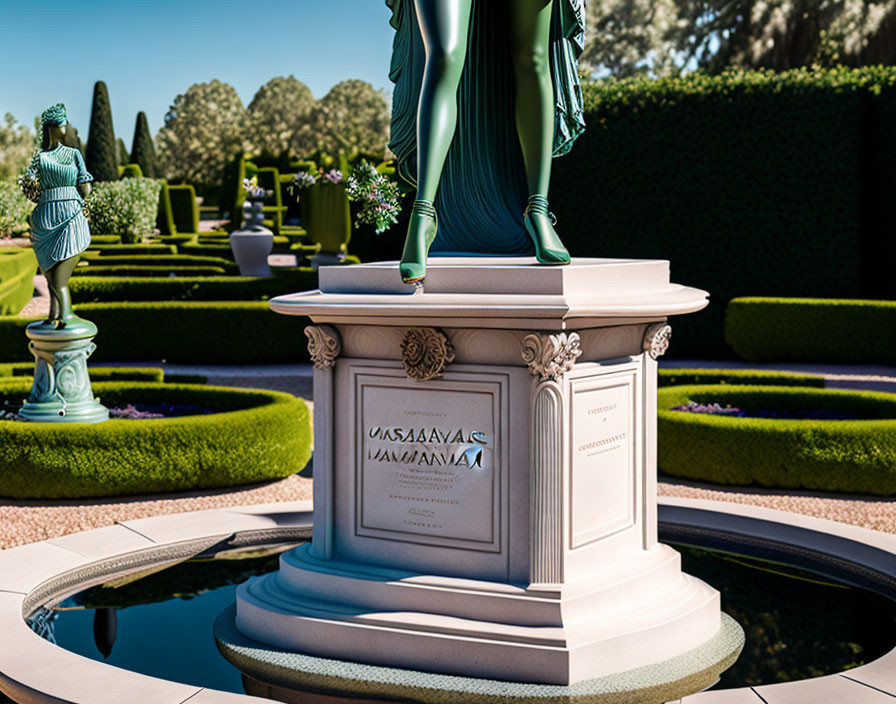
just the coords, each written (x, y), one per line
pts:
(29, 521)
(873, 512)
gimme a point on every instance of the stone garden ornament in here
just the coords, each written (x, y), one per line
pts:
(58, 181)
(486, 94)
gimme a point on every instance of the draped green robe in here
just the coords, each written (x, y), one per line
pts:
(482, 192)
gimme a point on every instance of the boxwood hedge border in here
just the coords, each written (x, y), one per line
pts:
(253, 436)
(852, 456)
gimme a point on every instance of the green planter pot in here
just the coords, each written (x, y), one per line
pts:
(326, 217)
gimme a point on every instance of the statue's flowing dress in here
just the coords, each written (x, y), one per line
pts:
(483, 190)
(59, 229)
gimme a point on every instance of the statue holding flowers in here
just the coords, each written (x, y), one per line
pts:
(58, 181)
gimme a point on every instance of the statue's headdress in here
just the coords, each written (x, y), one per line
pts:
(54, 115)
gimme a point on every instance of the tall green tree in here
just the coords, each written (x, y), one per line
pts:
(204, 128)
(667, 37)
(278, 115)
(142, 150)
(101, 156)
(353, 115)
(17, 145)
(121, 150)
(72, 138)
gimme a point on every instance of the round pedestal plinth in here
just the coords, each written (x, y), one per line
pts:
(293, 677)
(61, 390)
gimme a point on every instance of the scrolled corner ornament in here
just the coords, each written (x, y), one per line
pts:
(656, 340)
(550, 356)
(425, 352)
(324, 345)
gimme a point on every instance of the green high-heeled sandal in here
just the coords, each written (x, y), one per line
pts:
(413, 259)
(538, 205)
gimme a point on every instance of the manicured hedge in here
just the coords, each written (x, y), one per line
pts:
(160, 260)
(148, 374)
(188, 332)
(105, 239)
(184, 210)
(753, 377)
(126, 271)
(17, 269)
(756, 183)
(812, 330)
(207, 250)
(830, 455)
(177, 239)
(95, 289)
(252, 436)
(116, 250)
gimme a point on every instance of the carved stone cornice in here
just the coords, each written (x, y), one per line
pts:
(550, 356)
(425, 352)
(656, 340)
(324, 345)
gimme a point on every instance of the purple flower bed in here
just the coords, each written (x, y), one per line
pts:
(717, 410)
(129, 412)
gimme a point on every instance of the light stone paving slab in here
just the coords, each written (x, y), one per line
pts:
(103, 542)
(23, 568)
(744, 695)
(834, 689)
(880, 674)
(219, 522)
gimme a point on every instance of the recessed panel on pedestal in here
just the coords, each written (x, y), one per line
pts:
(428, 462)
(602, 481)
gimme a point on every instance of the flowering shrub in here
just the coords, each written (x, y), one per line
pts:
(14, 210)
(377, 195)
(127, 208)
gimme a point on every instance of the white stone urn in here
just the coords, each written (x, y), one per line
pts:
(253, 242)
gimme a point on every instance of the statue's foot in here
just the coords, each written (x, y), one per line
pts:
(421, 233)
(539, 222)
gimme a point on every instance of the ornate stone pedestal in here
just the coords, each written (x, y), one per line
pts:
(61, 390)
(485, 486)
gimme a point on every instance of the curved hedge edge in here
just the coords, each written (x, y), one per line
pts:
(689, 377)
(150, 374)
(239, 445)
(850, 456)
(851, 331)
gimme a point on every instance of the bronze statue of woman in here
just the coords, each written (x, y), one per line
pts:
(486, 94)
(59, 229)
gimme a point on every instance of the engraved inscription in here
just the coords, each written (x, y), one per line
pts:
(425, 472)
(602, 462)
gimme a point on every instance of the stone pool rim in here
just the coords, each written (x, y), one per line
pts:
(34, 670)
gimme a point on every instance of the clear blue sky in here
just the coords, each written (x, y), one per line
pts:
(149, 51)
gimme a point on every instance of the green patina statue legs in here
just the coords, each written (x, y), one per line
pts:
(530, 36)
(60, 298)
(444, 25)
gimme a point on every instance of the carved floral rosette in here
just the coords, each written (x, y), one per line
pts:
(550, 356)
(324, 345)
(656, 340)
(425, 352)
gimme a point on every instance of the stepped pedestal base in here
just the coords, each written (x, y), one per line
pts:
(61, 390)
(485, 484)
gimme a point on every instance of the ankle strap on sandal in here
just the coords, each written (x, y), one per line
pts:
(538, 205)
(424, 208)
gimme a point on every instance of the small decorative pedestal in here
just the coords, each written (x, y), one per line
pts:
(61, 390)
(485, 494)
(253, 242)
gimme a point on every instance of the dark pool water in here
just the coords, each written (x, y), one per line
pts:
(797, 624)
